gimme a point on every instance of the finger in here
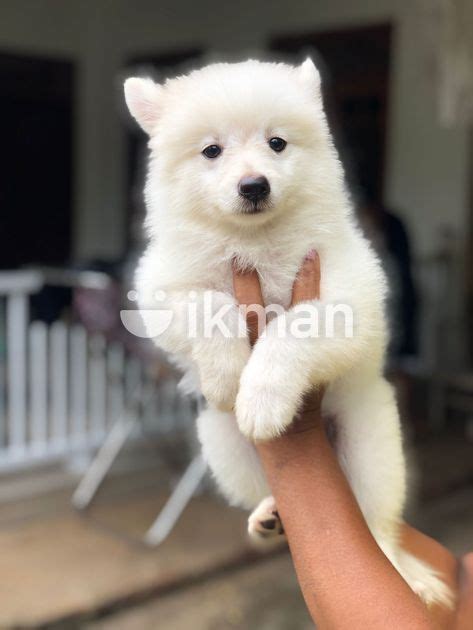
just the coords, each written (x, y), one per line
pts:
(306, 286)
(247, 292)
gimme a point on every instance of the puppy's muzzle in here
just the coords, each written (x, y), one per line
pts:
(255, 188)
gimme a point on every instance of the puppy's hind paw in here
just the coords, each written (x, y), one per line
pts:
(220, 391)
(264, 522)
(220, 375)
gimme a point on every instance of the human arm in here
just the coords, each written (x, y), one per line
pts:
(346, 579)
(315, 341)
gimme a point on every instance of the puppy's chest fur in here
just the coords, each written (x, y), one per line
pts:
(208, 264)
(277, 271)
(276, 274)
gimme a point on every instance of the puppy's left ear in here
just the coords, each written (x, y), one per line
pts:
(310, 76)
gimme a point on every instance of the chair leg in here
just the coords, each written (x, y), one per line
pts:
(102, 462)
(177, 502)
(108, 452)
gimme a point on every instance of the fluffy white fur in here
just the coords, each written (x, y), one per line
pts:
(196, 227)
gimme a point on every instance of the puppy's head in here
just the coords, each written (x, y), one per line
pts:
(240, 142)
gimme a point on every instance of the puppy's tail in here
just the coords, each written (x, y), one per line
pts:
(424, 580)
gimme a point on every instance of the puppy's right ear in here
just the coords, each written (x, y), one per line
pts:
(142, 97)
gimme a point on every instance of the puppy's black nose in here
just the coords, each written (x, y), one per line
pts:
(254, 187)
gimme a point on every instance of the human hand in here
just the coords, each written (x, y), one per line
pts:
(306, 287)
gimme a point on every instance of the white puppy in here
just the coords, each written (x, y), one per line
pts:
(243, 168)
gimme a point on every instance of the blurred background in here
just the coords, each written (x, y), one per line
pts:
(107, 517)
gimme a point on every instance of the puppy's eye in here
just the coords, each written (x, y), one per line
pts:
(212, 151)
(277, 144)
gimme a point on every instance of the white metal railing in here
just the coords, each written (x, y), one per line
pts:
(61, 389)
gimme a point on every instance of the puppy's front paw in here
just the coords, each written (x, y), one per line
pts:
(264, 521)
(262, 411)
(220, 377)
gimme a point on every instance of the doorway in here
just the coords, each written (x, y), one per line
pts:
(355, 64)
(36, 160)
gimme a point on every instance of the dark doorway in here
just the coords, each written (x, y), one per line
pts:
(355, 63)
(36, 119)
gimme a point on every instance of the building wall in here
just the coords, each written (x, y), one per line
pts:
(426, 178)
(426, 165)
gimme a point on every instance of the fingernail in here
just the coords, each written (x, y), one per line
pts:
(312, 255)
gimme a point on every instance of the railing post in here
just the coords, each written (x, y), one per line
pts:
(38, 409)
(17, 317)
(97, 387)
(78, 390)
(59, 406)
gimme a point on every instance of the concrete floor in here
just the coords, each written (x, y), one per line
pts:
(65, 565)
(266, 596)
(60, 570)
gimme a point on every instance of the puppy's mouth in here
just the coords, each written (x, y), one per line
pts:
(250, 207)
